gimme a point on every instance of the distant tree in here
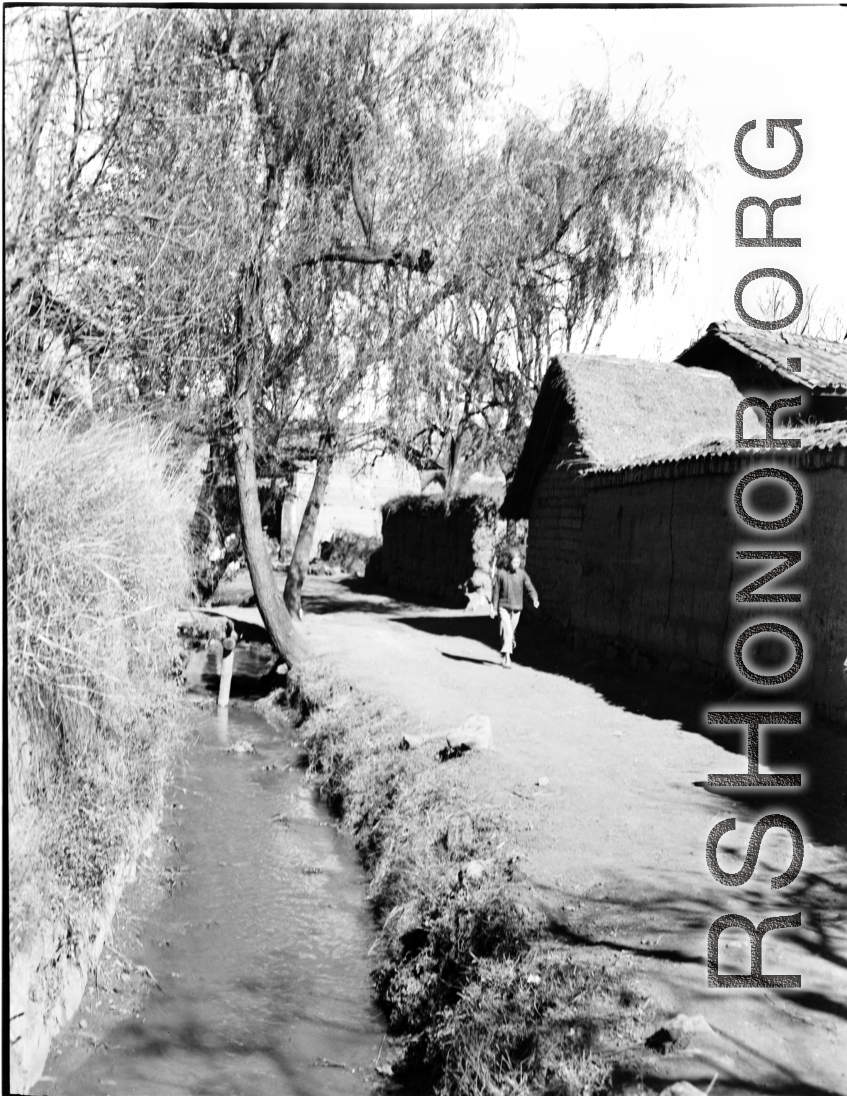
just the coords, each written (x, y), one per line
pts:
(62, 128)
(776, 302)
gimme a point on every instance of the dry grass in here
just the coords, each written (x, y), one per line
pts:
(481, 507)
(486, 1003)
(97, 563)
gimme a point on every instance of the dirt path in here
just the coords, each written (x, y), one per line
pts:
(613, 843)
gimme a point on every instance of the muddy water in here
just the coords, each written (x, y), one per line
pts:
(261, 947)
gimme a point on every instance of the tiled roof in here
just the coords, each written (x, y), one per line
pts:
(824, 363)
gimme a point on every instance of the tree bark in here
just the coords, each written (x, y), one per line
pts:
(456, 471)
(269, 600)
(302, 549)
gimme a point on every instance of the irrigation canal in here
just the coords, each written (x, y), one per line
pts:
(260, 947)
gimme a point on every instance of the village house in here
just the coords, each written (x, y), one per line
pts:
(757, 361)
(627, 476)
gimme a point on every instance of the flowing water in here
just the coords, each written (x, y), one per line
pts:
(261, 947)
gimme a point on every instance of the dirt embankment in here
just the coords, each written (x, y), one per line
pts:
(482, 998)
(593, 814)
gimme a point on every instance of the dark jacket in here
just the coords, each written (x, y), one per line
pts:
(509, 588)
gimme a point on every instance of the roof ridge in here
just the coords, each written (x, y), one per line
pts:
(733, 327)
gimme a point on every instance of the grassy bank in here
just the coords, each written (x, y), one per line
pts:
(487, 1003)
(97, 563)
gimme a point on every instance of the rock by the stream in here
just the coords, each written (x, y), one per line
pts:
(240, 747)
(682, 1088)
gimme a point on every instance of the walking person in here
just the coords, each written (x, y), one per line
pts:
(507, 600)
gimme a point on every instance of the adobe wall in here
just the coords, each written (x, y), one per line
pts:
(644, 560)
(438, 553)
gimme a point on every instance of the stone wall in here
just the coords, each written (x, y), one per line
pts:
(439, 552)
(641, 562)
(47, 976)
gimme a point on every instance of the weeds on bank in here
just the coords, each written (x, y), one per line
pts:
(97, 564)
(464, 971)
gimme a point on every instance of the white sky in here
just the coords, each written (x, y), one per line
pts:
(733, 65)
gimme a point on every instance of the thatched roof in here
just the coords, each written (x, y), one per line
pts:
(623, 411)
(824, 363)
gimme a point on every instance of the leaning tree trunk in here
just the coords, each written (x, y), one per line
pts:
(268, 597)
(302, 549)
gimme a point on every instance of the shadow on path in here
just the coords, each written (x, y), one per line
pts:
(816, 749)
(476, 661)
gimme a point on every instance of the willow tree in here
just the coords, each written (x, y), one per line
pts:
(274, 150)
(64, 123)
(562, 223)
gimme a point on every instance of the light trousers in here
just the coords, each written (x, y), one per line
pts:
(508, 623)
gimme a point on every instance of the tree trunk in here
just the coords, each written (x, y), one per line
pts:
(302, 549)
(455, 473)
(268, 597)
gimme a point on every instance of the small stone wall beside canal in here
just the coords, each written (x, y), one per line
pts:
(437, 549)
(48, 973)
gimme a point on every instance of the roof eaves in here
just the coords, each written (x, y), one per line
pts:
(715, 449)
(750, 344)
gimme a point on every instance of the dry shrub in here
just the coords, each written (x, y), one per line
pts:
(480, 507)
(533, 1024)
(349, 551)
(97, 565)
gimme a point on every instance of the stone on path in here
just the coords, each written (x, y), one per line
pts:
(682, 1026)
(678, 1032)
(474, 734)
(682, 1088)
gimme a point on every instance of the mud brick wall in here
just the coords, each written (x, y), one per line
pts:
(436, 551)
(642, 562)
